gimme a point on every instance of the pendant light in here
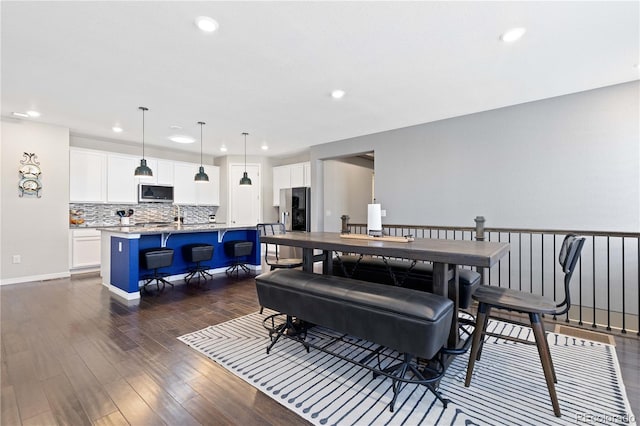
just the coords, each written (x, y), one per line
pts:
(143, 171)
(245, 179)
(201, 176)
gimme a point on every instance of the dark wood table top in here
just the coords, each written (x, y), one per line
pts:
(458, 252)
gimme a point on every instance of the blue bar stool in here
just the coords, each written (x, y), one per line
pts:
(156, 258)
(238, 249)
(196, 253)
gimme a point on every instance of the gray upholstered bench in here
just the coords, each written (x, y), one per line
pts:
(413, 323)
(418, 277)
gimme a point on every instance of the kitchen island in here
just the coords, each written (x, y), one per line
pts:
(120, 264)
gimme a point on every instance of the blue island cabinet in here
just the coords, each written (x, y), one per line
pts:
(121, 270)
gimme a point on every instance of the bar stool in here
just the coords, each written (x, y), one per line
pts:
(155, 258)
(238, 249)
(196, 253)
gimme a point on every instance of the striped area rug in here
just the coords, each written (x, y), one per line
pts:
(508, 387)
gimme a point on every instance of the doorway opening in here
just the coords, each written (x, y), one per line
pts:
(349, 186)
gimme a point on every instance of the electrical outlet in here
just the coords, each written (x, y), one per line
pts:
(383, 213)
(17, 258)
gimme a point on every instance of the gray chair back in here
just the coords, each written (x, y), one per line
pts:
(568, 258)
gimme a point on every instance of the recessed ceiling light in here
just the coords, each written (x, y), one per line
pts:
(181, 139)
(174, 127)
(513, 34)
(33, 113)
(20, 114)
(206, 24)
(223, 148)
(117, 129)
(337, 94)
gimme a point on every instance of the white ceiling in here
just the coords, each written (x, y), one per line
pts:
(271, 66)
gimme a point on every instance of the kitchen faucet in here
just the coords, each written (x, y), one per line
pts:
(177, 206)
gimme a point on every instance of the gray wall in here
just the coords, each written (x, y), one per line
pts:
(570, 162)
(347, 190)
(37, 229)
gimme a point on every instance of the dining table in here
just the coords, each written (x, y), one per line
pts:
(445, 255)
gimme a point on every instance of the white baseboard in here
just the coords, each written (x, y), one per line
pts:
(33, 278)
(84, 270)
(121, 293)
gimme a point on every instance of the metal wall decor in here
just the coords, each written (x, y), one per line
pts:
(30, 175)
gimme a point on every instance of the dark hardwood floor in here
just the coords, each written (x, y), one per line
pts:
(72, 354)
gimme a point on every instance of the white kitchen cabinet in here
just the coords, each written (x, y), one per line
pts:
(290, 176)
(208, 193)
(164, 172)
(87, 176)
(121, 184)
(307, 174)
(189, 192)
(85, 248)
(100, 177)
(297, 175)
(281, 180)
(184, 187)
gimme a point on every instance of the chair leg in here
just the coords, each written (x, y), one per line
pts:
(478, 334)
(484, 329)
(545, 358)
(553, 369)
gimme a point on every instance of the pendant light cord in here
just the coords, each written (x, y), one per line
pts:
(245, 151)
(143, 109)
(142, 133)
(201, 123)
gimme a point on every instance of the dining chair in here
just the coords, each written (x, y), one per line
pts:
(276, 262)
(535, 306)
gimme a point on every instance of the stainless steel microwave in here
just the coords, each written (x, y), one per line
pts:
(155, 193)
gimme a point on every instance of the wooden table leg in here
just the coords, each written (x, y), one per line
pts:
(307, 259)
(327, 262)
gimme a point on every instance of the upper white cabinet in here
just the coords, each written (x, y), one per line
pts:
(104, 177)
(307, 174)
(281, 179)
(208, 193)
(189, 192)
(297, 175)
(184, 187)
(121, 184)
(290, 176)
(163, 172)
(87, 176)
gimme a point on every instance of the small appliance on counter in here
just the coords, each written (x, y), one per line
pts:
(212, 218)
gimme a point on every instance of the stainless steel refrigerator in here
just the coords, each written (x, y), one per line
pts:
(295, 208)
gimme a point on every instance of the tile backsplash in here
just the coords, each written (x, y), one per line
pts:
(105, 214)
